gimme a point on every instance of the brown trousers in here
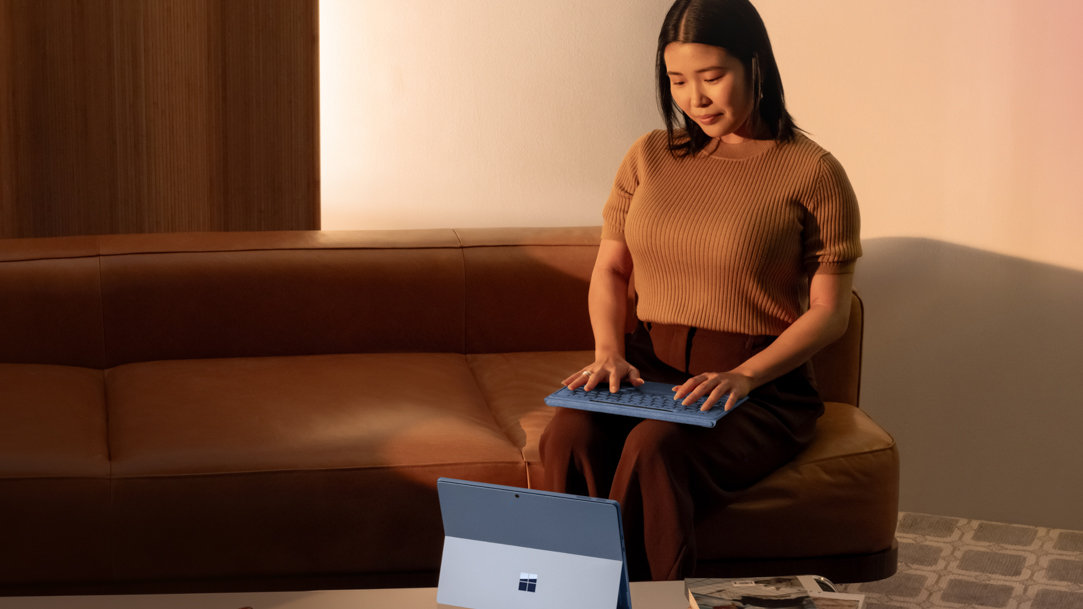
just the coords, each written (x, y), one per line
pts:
(661, 473)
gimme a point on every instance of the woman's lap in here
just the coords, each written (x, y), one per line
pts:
(662, 472)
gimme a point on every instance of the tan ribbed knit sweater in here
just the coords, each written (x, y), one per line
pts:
(730, 244)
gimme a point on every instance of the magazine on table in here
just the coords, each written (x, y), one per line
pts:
(790, 591)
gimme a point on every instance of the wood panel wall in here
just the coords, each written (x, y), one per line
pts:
(121, 116)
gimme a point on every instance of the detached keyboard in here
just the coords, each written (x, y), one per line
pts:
(649, 401)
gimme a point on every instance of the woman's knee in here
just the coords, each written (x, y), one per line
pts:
(653, 440)
(568, 432)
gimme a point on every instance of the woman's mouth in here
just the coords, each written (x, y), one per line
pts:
(709, 119)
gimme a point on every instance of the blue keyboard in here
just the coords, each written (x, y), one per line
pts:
(648, 401)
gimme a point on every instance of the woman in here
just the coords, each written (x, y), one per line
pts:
(743, 235)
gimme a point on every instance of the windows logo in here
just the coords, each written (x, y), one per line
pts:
(528, 582)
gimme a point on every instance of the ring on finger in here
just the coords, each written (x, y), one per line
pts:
(586, 373)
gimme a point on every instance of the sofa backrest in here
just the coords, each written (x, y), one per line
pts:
(526, 289)
(50, 302)
(104, 301)
(109, 300)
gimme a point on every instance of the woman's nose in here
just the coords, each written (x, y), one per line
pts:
(699, 98)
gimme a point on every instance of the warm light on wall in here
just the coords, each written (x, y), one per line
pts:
(479, 114)
(956, 120)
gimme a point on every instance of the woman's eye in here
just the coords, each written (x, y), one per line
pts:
(713, 80)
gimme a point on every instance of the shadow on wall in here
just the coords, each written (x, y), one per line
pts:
(974, 362)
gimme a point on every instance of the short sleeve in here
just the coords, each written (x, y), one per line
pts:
(832, 232)
(620, 197)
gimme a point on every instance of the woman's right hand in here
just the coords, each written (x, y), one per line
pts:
(613, 369)
(608, 303)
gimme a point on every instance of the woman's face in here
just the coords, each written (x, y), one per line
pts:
(711, 87)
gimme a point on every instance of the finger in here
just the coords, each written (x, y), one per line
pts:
(704, 388)
(731, 403)
(614, 382)
(713, 399)
(683, 389)
(591, 382)
(577, 380)
(634, 378)
(696, 394)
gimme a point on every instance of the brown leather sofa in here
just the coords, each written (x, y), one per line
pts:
(271, 410)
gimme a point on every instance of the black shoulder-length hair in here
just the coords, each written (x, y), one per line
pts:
(737, 27)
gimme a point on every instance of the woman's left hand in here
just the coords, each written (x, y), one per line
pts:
(715, 385)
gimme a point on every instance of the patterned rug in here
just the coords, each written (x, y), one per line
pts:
(954, 562)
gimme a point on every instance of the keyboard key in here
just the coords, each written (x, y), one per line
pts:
(649, 401)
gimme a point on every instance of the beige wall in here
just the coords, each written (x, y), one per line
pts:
(958, 122)
(480, 112)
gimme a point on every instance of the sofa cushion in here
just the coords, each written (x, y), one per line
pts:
(54, 422)
(338, 454)
(515, 385)
(297, 413)
(847, 480)
(54, 474)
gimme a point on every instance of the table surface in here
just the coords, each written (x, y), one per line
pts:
(645, 595)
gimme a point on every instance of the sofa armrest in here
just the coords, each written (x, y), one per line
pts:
(837, 367)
